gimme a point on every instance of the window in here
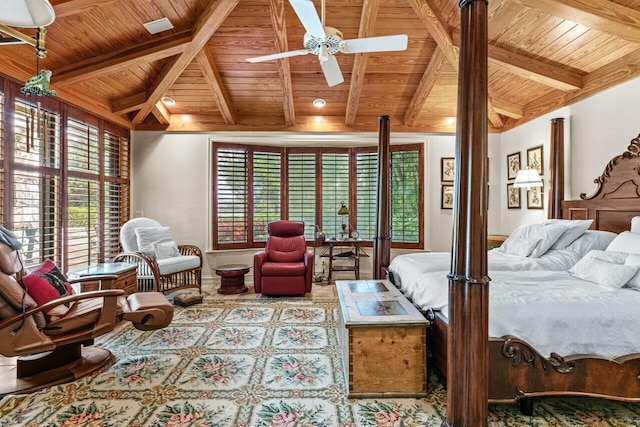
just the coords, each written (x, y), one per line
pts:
(311, 185)
(66, 181)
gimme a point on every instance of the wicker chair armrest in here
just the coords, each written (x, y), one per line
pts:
(190, 250)
(139, 258)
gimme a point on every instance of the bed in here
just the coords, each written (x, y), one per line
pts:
(517, 371)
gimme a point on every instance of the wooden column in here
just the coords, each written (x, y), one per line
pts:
(382, 241)
(468, 340)
(556, 182)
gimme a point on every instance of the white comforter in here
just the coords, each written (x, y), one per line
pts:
(551, 310)
(407, 268)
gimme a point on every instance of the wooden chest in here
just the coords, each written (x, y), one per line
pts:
(383, 341)
(127, 276)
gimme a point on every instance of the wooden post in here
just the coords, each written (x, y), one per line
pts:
(382, 241)
(556, 182)
(468, 339)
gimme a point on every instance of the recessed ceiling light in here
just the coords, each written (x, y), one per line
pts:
(158, 26)
(167, 100)
(319, 102)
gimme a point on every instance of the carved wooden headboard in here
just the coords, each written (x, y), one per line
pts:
(617, 198)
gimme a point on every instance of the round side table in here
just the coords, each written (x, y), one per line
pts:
(232, 278)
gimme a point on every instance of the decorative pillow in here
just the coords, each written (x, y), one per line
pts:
(47, 283)
(608, 256)
(635, 224)
(574, 229)
(544, 236)
(603, 272)
(592, 239)
(519, 246)
(165, 250)
(626, 242)
(634, 260)
(148, 236)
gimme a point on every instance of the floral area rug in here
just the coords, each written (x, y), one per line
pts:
(269, 362)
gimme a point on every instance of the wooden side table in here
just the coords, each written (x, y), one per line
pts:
(232, 278)
(127, 276)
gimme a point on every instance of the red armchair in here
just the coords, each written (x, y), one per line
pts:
(285, 267)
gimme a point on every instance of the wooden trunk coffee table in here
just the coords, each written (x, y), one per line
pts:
(232, 278)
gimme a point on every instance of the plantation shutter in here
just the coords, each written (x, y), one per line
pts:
(366, 193)
(116, 191)
(267, 169)
(335, 191)
(405, 196)
(232, 196)
(302, 190)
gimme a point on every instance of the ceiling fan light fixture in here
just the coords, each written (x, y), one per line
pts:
(168, 101)
(319, 102)
(27, 13)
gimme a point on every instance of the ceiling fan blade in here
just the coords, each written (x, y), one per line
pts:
(376, 44)
(278, 55)
(331, 71)
(308, 16)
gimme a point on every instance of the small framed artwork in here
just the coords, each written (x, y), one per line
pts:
(513, 196)
(446, 197)
(534, 198)
(513, 165)
(535, 159)
(447, 169)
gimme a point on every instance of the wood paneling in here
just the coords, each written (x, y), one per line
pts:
(543, 55)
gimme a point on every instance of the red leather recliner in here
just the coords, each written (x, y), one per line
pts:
(285, 267)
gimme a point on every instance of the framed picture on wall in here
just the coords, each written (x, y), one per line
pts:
(513, 165)
(513, 196)
(534, 198)
(447, 169)
(535, 159)
(446, 197)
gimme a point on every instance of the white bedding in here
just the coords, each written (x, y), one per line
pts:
(407, 268)
(551, 310)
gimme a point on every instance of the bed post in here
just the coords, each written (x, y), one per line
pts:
(468, 339)
(382, 241)
(556, 183)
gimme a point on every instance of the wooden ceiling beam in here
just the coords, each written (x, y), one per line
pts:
(130, 103)
(276, 9)
(437, 29)
(530, 68)
(72, 7)
(359, 69)
(424, 87)
(507, 108)
(121, 60)
(161, 113)
(213, 16)
(212, 77)
(492, 115)
(603, 15)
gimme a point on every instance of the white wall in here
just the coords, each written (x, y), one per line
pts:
(170, 172)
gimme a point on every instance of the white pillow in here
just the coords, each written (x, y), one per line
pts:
(605, 273)
(634, 260)
(166, 250)
(626, 242)
(608, 256)
(635, 224)
(592, 239)
(574, 229)
(518, 246)
(544, 236)
(148, 236)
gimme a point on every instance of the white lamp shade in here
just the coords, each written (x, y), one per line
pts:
(528, 178)
(27, 13)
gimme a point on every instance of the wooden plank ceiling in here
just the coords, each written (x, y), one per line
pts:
(543, 54)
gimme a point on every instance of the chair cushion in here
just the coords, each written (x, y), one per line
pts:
(179, 263)
(283, 269)
(16, 295)
(167, 249)
(47, 283)
(6, 309)
(147, 237)
(82, 314)
(286, 249)
(128, 237)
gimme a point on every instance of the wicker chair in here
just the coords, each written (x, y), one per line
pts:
(161, 275)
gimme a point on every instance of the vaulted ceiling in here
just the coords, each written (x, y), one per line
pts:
(543, 54)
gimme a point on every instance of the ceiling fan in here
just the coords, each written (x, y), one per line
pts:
(327, 41)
